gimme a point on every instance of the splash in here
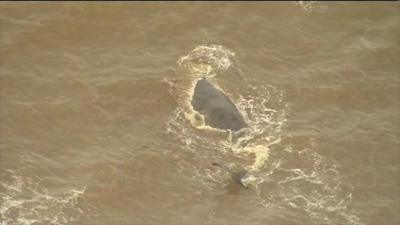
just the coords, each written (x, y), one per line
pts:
(283, 176)
(261, 154)
(203, 60)
(207, 60)
(258, 151)
(265, 123)
(26, 202)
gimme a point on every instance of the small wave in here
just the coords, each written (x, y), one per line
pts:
(363, 44)
(26, 202)
(315, 188)
(310, 6)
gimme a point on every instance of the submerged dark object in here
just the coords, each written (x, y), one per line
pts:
(238, 174)
(218, 110)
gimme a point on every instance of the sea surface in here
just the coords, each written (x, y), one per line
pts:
(97, 127)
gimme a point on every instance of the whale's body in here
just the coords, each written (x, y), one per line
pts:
(218, 110)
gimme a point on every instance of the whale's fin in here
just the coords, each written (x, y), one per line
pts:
(237, 174)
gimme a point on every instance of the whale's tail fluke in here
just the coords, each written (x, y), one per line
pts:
(238, 174)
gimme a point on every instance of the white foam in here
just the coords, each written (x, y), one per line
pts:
(202, 60)
(265, 123)
(265, 111)
(326, 195)
(207, 60)
(34, 204)
(262, 153)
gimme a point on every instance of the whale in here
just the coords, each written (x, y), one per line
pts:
(217, 109)
(238, 174)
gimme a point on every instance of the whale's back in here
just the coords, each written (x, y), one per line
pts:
(218, 110)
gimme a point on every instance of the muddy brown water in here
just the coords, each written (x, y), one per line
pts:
(95, 127)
